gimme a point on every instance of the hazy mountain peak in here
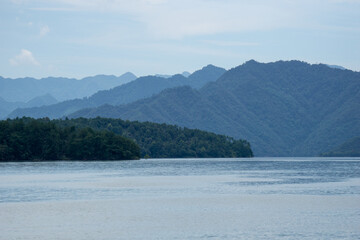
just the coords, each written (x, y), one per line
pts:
(129, 74)
(209, 73)
(251, 61)
(178, 77)
(186, 74)
(208, 69)
(46, 99)
(210, 66)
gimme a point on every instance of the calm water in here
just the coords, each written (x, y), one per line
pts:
(260, 198)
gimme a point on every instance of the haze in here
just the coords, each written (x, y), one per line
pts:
(81, 38)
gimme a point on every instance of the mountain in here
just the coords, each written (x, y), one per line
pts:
(25, 89)
(145, 87)
(207, 74)
(7, 107)
(350, 148)
(140, 88)
(44, 100)
(286, 108)
(186, 74)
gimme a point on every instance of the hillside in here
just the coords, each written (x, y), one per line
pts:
(7, 107)
(25, 89)
(142, 87)
(283, 109)
(167, 141)
(350, 148)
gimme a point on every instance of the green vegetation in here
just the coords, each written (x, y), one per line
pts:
(350, 148)
(284, 108)
(29, 139)
(167, 141)
(108, 139)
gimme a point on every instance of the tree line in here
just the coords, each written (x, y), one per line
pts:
(110, 139)
(167, 141)
(30, 139)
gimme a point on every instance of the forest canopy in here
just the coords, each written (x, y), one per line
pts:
(110, 139)
(29, 139)
(167, 141)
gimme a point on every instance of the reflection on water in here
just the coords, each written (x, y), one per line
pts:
(260, 198)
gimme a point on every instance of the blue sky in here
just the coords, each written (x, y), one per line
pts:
(78, 38)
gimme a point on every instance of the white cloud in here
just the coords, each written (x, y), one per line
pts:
(25, 57)
(186, 18)
(176, 19)
(44, 30)
(180, 18)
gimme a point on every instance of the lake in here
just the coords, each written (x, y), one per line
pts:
(259, 198)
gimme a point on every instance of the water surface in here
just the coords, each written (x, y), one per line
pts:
(260, 198)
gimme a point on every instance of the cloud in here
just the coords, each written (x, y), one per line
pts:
(188, 18)
(180, 18)
(231, 43)
(176, 19)
(44, 30)
(24, 58)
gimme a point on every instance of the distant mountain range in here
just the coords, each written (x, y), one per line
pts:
(29, 92)
(25, 89)
(7, 107)
(286, 108)
(138, 89)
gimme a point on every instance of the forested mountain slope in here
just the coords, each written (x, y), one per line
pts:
(286, 108)
(350, 148)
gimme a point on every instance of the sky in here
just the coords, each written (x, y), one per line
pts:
(78, 38)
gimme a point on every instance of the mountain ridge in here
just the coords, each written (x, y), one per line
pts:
(7, 107)
(285, 108)
(138, 89)
(59, 87)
